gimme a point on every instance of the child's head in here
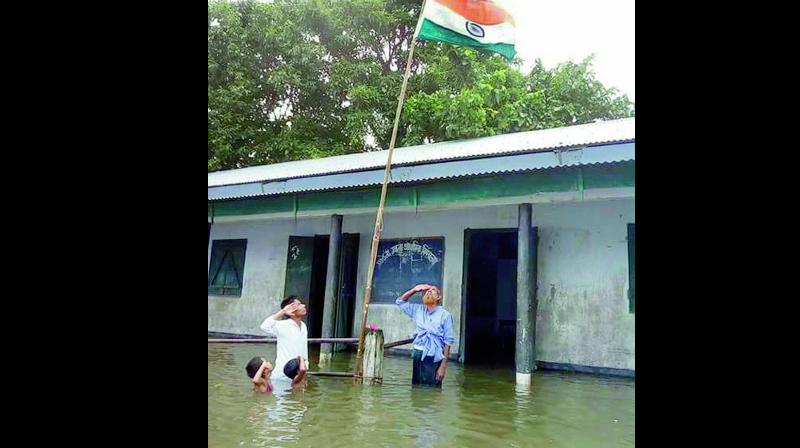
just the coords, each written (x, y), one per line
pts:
(291, 368)
(255, 364)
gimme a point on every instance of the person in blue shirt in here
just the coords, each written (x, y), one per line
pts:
(433, 335)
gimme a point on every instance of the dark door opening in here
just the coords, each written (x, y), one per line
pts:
(306, 269)
(348, 271)
(490, 297)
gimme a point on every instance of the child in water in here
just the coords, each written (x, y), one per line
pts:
(259, 370)
(296, 369)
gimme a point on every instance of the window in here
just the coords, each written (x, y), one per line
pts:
(226, 271)
(631, 267)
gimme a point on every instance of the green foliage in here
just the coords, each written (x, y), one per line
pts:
(298, 79)
(501, 99)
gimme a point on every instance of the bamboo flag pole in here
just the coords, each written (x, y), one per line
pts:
(379, 218)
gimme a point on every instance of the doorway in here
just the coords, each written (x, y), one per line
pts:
(490, 298)
(306, 268)
(306, 272)
(346, 303)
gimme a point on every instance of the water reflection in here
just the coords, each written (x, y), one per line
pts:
(523, 394)
(428, 414)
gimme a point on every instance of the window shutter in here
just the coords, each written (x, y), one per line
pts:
(226, 272)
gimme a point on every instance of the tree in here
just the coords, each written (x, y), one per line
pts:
(297, 79)
(503, 100)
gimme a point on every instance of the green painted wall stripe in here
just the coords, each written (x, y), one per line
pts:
(254, 206)
(609, 176)
(395, 197)
(496, 187)
(476, 188)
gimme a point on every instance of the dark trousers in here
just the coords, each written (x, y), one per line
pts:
(424, 373)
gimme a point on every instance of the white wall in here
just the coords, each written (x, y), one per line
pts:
(583, 312)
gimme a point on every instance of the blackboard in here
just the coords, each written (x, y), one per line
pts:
(403, 263)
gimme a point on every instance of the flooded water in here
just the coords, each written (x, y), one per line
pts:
(477, 407)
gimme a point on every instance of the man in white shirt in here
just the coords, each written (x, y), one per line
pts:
(290, 330)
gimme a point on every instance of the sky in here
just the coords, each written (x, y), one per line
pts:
(559, 30)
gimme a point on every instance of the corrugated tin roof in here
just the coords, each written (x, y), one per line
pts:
(613, 153)
(519, 142)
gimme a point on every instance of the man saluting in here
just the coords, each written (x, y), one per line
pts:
(433, 335)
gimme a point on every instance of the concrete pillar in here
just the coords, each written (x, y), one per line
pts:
(331, 288)
(526, 306)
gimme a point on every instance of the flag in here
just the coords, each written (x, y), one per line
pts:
(483, 24)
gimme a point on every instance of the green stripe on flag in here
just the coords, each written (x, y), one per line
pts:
(432, 31)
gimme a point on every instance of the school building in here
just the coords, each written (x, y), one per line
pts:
(531, 236)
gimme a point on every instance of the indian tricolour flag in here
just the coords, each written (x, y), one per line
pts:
(481, 24)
